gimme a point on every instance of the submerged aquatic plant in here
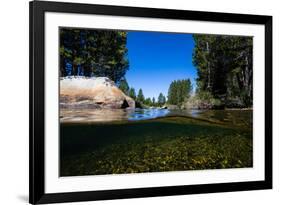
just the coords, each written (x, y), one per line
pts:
(169, 144)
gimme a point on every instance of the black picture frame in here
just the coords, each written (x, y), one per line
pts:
(37, 193)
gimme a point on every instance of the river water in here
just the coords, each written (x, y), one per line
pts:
(95, 141)
(236, 117)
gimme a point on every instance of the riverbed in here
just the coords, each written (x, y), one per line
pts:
(154, 141)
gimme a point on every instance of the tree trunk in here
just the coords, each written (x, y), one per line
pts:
(208, 67)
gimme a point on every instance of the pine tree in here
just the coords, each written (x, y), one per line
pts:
(172, 94)
(89, 52)
(224, 66)
(161, 99)
(153, 101)
(148, 101)
(179, 90)
(123, 85)
(140, 97)
(132, 93)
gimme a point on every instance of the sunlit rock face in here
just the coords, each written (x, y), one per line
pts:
(99, 92)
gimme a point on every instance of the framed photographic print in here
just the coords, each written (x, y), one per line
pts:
(140, 102)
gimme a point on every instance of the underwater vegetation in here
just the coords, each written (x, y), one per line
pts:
(163, 144)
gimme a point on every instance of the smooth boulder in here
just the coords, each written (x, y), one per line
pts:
(94, 92)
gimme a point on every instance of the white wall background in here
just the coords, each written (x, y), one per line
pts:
(14, 100)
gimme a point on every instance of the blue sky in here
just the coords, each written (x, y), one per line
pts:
(157, 58)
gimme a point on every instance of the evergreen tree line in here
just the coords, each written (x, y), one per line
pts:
(140, 98)
(93, 53)
(225, 68)
(179, 91)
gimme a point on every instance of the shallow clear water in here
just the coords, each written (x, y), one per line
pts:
(145, 114)
(108, 115)
(153, 140)
(237, 117)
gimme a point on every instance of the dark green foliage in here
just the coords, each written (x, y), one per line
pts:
(132, 93)
(153, 101)
(140, 97)
(123, 85)
(148, 102)
(225, 68)
(179, 91)
(161, 99)
(93, 53)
